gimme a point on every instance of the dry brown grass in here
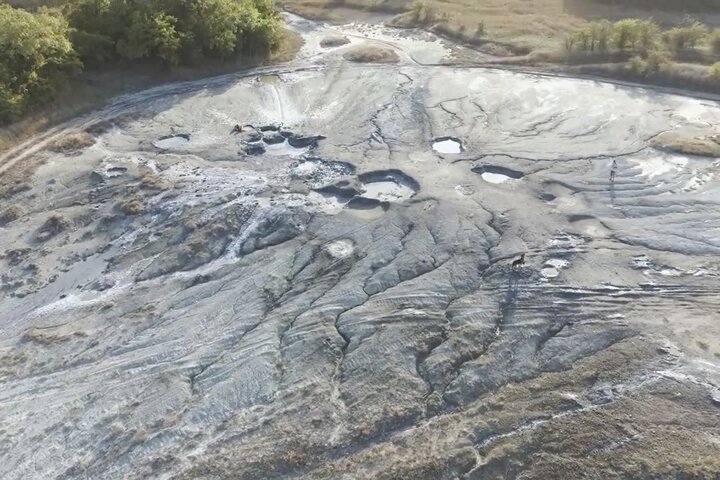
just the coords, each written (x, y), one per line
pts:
(152, 181)
(72, 142)
(372, 54)
(10, 214)
(680, 143)
(133, 206)
(334, 41)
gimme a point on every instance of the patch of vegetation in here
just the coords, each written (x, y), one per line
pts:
(152, 181)
(10, 214)
(41, 50)
(72, 142)
(649, 48)
(372, 54)
(36, 59)
(170, 31)
(676, 142)
(134, 206)
(334, 41)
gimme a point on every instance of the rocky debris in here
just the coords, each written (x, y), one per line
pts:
(16, 256)
(254, 149)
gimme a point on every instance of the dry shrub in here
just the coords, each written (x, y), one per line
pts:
(72, 142)
(134, 206)
(153, 181)
(677, 142)
(10, 214)
(372, 54)
(334, 41)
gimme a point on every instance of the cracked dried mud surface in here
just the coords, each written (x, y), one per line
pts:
(341, 304)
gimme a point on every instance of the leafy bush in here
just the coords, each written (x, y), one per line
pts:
(714, 71)
(637, 66)
(422, 12)
(36, 57)
(715, 41)
(689, 36)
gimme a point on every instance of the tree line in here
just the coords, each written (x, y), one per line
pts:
(41, 50)
(649, 45)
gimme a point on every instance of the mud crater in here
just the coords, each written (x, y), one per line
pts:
(273, 140)
(448, 145)
(171, 142)
(496, 174)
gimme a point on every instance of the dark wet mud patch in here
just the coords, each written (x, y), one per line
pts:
(300, 141)
(495, 174)
(171, 142)
(448, 145)
(579, 218)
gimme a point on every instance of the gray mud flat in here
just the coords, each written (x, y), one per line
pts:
(349, 311)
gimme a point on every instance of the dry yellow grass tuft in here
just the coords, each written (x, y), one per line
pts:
(134, 206)
(677, 142)
(372, 54)
(10, 214)
(72, 142)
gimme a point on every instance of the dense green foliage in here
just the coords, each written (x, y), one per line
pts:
(173, 31)
(649, 46)
(38, 51)
(36, 56)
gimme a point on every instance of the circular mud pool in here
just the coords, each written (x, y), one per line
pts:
(494, 174)
(448, 145)
(388, 186)
(172, 141)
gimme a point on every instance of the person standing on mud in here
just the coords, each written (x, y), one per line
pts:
(613, 170)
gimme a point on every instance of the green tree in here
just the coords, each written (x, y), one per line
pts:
(625, 33)
(36, 57)
(174, 31)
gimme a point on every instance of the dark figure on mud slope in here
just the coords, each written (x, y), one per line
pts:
(613, 170)
(519, 262)
(236, 129)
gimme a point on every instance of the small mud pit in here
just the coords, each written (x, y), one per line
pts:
(388, 186)
(448, 145)
(495, 174)
(271, 140)
(172, 141)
